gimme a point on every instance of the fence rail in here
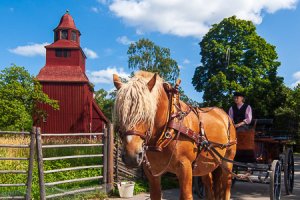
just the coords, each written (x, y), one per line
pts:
(30, 160)
(36, 140)
(101, 177)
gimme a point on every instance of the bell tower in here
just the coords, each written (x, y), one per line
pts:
(63, 78)
(66, 50)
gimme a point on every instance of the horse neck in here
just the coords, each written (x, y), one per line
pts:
(162, 114)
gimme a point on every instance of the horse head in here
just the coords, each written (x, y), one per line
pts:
(139, 112)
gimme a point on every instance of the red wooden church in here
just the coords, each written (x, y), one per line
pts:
(63, 78)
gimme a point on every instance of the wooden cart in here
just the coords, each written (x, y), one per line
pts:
(263, 155)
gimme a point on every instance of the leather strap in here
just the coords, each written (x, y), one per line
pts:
(133, 132)
(184, 130)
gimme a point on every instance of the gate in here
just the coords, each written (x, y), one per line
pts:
(101, 177)
(29, 159)
(103, 141)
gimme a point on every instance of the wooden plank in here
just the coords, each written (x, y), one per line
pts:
(72, 168)
(39, 150)
(9, 158)
(245, 140)
(73, 180)
(14, 132)
(70, 134)
(110, 159)
(30, 164)
(12, 185)
(12, 197)
(74, 192)
(105, 139)
(71, 157)
(70, 145)
(14, 146)
(13, 172)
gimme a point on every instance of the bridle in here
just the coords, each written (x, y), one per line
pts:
(146, 136)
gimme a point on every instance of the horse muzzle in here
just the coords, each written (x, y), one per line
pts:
(132, 160)
(134, 157)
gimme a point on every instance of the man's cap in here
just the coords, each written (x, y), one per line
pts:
(238, 94)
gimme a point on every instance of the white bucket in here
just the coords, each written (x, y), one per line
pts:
(126, 189)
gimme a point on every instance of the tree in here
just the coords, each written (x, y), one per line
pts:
(105, 102)
(145, 55)
(235, 58)
(288, 115)
(20, 94)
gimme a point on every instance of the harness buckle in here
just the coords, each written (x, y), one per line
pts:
(168, 135)
(187, 132)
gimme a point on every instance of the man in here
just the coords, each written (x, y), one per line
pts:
(241, 113)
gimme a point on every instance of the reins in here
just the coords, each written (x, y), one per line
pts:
(174, 128)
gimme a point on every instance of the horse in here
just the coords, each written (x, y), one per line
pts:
(164, 134)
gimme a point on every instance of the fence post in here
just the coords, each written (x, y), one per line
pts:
(105, 159)
(30, 164)
(110, 159)
(40, 163)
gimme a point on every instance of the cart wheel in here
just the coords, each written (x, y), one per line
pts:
(275, 180)
(282, 160)
(198, 187)
(289, 171)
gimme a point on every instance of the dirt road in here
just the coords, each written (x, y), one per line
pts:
(240, 191)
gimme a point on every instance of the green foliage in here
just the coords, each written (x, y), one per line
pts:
(20, 94)
(235, 58)
(145, 55)
(288, 115)
(105, 102)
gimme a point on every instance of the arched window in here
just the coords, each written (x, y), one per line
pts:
(56, 35)
(64, 34)
(74, 38)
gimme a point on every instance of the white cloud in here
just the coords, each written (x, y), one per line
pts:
(103, 1)
(30, 50)
(296, 77)
(193, 17)
(124, 40)
(94, 9)
(90, 53)
(106, 75)
(186, 61)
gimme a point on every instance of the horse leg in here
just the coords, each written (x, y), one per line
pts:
(222, 182)
(226, 177)
(185, 177)
(227, 180)
(154, 185)
(218, 183)
(208, 184)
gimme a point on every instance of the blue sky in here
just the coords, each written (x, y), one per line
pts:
(108, 26)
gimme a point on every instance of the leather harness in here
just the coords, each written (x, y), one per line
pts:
(174, 128)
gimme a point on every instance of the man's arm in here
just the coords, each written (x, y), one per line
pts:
(248, 115)
(230, 112)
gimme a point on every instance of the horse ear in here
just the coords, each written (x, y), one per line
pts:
(152, 82)
(117, 81)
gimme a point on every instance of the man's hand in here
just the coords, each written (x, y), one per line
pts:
(239, 124)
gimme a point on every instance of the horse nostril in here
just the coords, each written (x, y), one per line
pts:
(140, 156)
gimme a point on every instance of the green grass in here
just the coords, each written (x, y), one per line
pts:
(140, 185)
(50, 165)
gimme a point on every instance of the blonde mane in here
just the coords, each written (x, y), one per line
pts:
(135, 103)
